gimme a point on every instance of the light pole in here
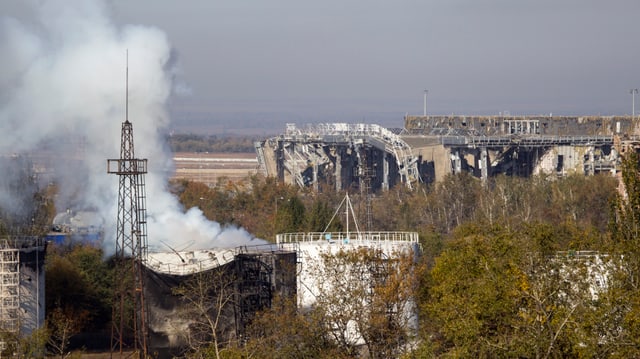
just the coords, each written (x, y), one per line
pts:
(633, 93)
(425, 103)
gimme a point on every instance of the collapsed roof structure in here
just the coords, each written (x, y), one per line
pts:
(428, 148)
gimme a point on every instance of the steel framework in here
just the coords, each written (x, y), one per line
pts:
(9, 286)
(129, 315)
(297, 152)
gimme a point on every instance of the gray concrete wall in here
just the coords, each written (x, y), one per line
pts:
(523, 125)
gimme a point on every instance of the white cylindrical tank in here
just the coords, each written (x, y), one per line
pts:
(313, 247)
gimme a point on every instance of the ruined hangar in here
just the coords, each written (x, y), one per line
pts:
(371, 157)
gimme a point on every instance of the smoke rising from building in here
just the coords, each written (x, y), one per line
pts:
(62, 89)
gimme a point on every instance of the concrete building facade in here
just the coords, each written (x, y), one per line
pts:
(428, 148)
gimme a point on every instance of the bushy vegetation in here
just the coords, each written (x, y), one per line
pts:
(493, 280)
(266, 207)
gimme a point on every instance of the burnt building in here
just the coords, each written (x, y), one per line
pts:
(520, 145)
(339, 155)
(428, 148)
(183, 290)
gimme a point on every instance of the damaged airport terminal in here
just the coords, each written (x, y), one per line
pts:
(428, 148)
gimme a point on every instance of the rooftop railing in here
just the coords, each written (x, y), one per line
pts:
(347, 237)
(533, 141)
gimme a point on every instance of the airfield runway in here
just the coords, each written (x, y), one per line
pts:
(208, 168)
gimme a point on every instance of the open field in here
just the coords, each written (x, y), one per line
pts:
(208, 167)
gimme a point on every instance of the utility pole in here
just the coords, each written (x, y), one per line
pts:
(424, 113)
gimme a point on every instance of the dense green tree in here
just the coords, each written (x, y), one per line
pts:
(319, 218)
(284, 331)
(78, 283)
(556, 304)
(502, 293)
(621, 305)
(473, 298)
(290, 215)
(432, 245)
(625, 222)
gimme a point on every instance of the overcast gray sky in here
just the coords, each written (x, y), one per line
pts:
(371, 60)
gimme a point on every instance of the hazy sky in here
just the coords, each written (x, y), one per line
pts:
(354, 60)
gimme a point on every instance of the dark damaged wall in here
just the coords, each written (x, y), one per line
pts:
(526, 125)
(246, 285)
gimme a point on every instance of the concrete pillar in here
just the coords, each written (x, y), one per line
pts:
(456, 161)
(280, 161)
(483, 163)
(385, 171)
(315, 174)
(338, 172)
(293, 163)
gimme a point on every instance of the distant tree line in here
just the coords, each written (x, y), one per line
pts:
(210, 143)
(266, 207)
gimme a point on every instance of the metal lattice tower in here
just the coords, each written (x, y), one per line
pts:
(9, 287)
(129, 308)
(365, 187)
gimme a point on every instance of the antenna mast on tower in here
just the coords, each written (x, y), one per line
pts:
(365, 187)
(131, 244)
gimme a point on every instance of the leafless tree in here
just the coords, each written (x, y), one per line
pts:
(208, 307)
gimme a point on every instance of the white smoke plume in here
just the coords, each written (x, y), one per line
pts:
(62, 86)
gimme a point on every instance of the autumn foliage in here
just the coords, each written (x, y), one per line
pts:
(496, 277)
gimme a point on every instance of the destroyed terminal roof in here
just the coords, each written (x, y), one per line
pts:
(190, 262)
